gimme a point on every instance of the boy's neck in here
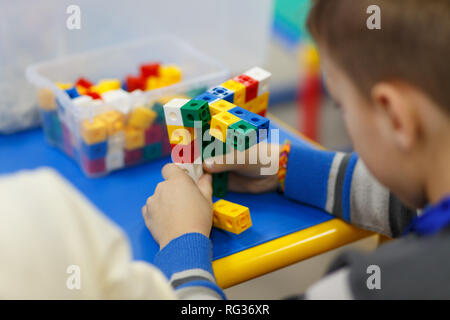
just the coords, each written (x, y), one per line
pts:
(438, 178)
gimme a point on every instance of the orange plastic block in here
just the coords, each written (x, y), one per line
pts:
(134, 138)
(93, 131)
(114, 120)
(180, 134)
(220, 123)
(238, 89)
(231, 216)
(220, 106)
(142, 118)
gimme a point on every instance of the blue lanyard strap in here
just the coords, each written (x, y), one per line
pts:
(432, 220)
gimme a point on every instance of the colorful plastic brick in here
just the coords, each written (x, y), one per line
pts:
(64, 86)
(242, 135)
(142, 118)
(180, 134)
(222, 93)
(194, 170)
(115, 160)
(84, 83)
(133, 156)
(114, 121)
(134, 138)
(172, 112)
(170, 74)
(67, 141)
(152, 151)
(260, 103)
(238, 89)
(256, 120)
(134, 83)
(150, 70)
(231, 217)
(195, 110)
(115, 96)
(207, 96)
(82, 101)
(73, 92)
(154, 134)
(152, 83)
(106, 85)
(240, 112)
(262, 76)
(94, 95)
(93, 131)
(220, 123)
(93, 167)
(94, 151)
(214, 148)
(52, 127)
(185, 153)
(116, 141)
(46, 99)
(220, 106)
(220, 184)
(251, 86)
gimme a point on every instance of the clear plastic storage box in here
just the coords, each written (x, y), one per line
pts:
(103, 146)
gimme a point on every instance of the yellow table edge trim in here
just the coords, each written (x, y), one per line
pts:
(286, 250)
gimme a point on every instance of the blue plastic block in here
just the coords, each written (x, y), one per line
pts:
(240, 113)
(222, 93)
(252, 118)
(73, 93)
(207, 96)
(94, 151)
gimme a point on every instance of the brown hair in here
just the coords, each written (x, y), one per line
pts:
(412, 45)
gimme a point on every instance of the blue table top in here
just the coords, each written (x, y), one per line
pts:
(121, 195)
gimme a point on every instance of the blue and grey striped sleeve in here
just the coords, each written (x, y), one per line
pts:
(340, 184)
(187, 262)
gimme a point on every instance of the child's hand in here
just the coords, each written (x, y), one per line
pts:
(246, 177)
(179, 206)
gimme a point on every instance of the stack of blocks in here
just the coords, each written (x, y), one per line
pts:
(226, 117)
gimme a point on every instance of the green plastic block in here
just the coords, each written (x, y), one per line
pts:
(195, 110)
(242, 135)
(159, 109)
(214, 148)
(220, 184)
(152, 151)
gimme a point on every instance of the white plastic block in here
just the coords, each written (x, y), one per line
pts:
(172, 111)
(115, 160)
(116, 142)
(113, 96)
(82, 101)
(194, 170)
(262, 76)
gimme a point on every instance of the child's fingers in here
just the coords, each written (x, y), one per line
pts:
(205, 186)
(245, 184)
(218, 164)
(171, 170)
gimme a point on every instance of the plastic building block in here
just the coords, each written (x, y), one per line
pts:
(257, 121)
(106, 85)
(133, 83)
(150, 70)
(242, 135)
(93, 167)
(154, 134)
(262, 76)
(115, 96)
(220, 184)
(84, 83)
(259, 104)
(214, 148)
(220, 123)
(116, 141)
(115, 160)
(142, 118)
(185, 153)
(73, 92)
(94, 151)
(133, 156)
(207, 96)
(64, 86)
(94, 95)
(93, 131)
(172, 112)
(231, 217)
(222, 93)
(82, 101)
(262, 113)
(220, 106)
(195, 110)
(238, 89)
(251, 86)
(240, 112)
(152, 151)
(134, 138)
(52, 127)
(194, 170)
(46, 99)
(170, 74)
(153, 83)
(114, 121)
(180, 134)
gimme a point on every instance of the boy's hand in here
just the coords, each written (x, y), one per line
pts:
(249, 178)
(179, 206)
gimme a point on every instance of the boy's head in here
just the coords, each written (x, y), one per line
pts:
(393, 85)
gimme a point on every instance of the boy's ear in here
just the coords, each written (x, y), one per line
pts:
(397, 113)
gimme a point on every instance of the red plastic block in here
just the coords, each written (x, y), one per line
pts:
(93, 166)
(251, 86)
(263, 113)
(154, 134)
(93, 95)
(83, 82)
(132, 156)
(150, 70)
(185, 153)
(134, 83)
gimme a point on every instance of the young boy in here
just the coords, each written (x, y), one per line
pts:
(393, 86)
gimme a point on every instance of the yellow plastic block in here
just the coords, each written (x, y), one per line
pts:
(142, 118)
(259, 104)
(170, 74)
(220, 106)
(93, 131)
(134, 138)
(82, 90)
(46, 99)
(153, 83)
(114, 120)
(239, 91)
(64, 86)
(180, 135)
(106, 85)
(231, 216)
(220, 123)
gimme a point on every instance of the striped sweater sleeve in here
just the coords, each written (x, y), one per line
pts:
(340, 184)
(187, 262)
